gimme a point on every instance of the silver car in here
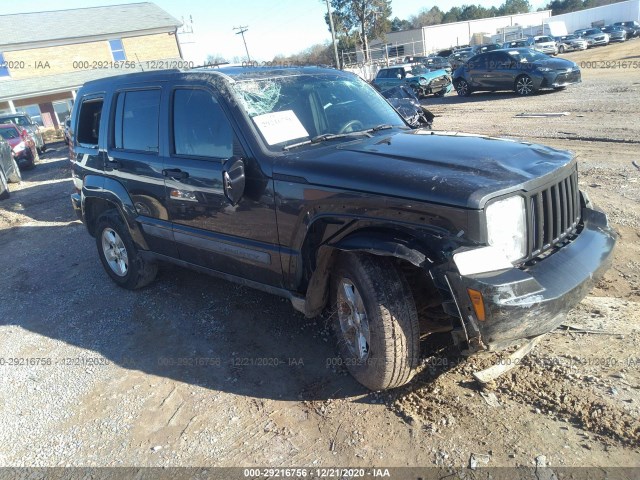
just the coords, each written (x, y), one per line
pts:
(9, 170)
(616, 34)
(23, 120)
(594, 36)
(544, 44)
(569, 43)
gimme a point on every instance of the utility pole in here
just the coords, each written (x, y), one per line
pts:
(241, 32)
(333, 36)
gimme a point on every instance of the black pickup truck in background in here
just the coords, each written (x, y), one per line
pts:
(306, 183)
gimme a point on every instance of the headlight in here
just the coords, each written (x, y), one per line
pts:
(423, 81)
(19, 147)
(544, 69)
(507, 227)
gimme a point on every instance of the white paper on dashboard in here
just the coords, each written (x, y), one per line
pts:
(278, 127)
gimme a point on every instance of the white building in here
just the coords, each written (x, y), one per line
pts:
(436, 37)
(599, 16)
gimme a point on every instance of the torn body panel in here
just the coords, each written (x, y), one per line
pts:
(526, 302)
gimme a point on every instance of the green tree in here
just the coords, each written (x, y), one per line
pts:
(397, 25)
(512, 7)
(472, 12)
(452, 15)
(425, 17)
(366, 18)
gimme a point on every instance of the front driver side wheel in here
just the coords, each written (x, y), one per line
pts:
(524, 85)
(375, 322)
(118, 254)
(462, 88)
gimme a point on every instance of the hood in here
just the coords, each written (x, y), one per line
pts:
(556, 63)
(436, 167)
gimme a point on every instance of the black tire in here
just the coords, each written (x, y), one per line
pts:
(33, 158)
(561, 49)
(440, 93)
(462, 87)
(4, 186)
(126, 267)
(389, 356)
(524, 86)
(17, 174)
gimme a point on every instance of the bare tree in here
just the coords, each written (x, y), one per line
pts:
(367, 18)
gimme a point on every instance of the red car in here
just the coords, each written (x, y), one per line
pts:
(22, 145)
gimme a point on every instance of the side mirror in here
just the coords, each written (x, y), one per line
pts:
(233, 179)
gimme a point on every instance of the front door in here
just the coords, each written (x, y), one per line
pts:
(212, 231)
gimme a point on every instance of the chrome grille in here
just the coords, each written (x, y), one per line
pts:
(553, 214)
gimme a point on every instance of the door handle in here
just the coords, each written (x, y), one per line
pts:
(175, 173)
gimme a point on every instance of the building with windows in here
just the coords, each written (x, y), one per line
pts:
(46, 56)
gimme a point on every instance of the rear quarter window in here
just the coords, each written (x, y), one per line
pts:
(89, 116)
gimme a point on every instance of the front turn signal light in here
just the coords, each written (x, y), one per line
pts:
(478, 303)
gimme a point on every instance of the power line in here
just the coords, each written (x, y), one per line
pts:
(241, 32)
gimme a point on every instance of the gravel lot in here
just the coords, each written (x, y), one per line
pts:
(193, 371)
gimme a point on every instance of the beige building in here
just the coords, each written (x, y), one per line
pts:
(46, 56)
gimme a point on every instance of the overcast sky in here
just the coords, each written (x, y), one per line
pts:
(276, 27)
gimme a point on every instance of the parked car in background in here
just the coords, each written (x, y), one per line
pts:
(521, 69)
(569, 43)
(447, 52)
(476, 49)
(632, 27)
(431, 62)
(458, 58)
(23, 120)
(423, 81)
(544, 44)
(9, 170)
(521, 43)
(22, 144)
(616, 34)
(594, 36)
(437, 63)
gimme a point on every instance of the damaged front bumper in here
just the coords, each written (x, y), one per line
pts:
(526, 302)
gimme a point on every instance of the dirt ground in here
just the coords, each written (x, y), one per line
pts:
(194, 371)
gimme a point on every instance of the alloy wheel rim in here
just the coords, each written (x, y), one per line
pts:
(115, 252)
(354, 323)
(525, 86)
(462, 88)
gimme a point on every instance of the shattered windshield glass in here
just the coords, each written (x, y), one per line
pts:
(291, 108)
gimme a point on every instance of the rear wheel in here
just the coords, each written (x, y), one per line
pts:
(118, 254)
(524, 85)
(462, 88)
(16, 176)
(376, 322)
(4, 186)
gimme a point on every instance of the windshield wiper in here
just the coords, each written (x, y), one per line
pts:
(324, 137)
(383, 126)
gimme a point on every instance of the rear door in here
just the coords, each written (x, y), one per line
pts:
(135, 158)
(236, 239)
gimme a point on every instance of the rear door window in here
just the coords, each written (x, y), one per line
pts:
(136, 125)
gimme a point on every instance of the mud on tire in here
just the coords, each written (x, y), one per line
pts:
(372, 290)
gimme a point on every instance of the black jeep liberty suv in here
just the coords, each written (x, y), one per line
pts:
(306, 183)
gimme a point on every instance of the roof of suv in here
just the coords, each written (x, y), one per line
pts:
(230, 73)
